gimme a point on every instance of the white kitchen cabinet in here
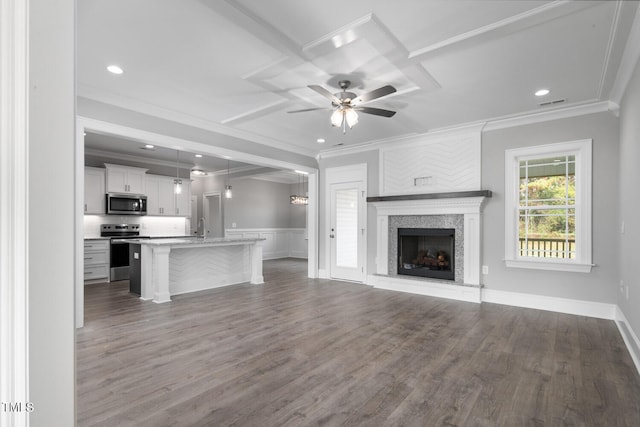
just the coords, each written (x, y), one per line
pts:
(183, 200)
(125, 179)
(96, 260)
(94, 191)
(161, 198)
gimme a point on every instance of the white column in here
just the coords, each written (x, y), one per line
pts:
(160, 260)
(146, 273)
(14, 212)
(256, 264)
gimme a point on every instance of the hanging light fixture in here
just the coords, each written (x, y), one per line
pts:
(228, 194)
(177, 183)
(300, 199)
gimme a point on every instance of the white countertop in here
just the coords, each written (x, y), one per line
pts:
(196, 242)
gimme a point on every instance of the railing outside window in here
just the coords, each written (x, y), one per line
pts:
(547, 248)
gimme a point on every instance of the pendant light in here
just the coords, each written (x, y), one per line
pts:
(177, 183)
(228, 194)
(301, 199)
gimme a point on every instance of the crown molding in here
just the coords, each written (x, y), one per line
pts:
(630, 59)
(549, 115)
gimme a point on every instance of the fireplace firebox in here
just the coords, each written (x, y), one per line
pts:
(427, 252)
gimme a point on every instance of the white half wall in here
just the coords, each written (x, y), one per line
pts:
(279, 243)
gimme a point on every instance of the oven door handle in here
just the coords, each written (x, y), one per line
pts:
(120, 241)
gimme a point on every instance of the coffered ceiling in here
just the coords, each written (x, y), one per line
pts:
(236, 67)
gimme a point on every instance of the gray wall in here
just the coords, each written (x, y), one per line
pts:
(629, 260)
(255, 203)
(600, 284)
(51, 201)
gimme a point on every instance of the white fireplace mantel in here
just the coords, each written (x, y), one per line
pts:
(469, 207)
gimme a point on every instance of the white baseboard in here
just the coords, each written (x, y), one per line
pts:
(629, 336)
(559, 305)
(422, 287)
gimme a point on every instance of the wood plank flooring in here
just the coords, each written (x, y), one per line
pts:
(297, 352)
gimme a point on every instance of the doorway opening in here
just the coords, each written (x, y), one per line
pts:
(212, 219)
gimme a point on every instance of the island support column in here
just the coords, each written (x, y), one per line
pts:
(256, 264)
(160, 273)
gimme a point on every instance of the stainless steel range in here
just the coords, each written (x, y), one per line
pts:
(120, 236)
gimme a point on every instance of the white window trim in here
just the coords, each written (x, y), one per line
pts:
(581, 149)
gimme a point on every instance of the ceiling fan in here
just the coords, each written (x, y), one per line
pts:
(346, 104)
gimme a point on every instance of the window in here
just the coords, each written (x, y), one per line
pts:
(548, 206)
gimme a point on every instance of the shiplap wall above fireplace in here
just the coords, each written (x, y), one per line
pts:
(432, 163)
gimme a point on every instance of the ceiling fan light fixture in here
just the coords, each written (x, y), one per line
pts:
(337, 117)
(351, 117)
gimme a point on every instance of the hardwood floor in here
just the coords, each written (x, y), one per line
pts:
(298, 351)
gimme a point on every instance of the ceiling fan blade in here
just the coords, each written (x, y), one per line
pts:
(322, 91)
(374, 94)
(308, 109)
(376, 111)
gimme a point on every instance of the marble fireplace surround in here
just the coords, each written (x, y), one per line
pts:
(435, 209)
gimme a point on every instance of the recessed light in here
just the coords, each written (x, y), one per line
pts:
(301, 172)
(115, 69)
(226, 157)
(542, 92)
(149, 146)
(198, 155)
(198, 172)
(321, 140)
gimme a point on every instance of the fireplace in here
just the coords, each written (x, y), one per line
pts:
(427, 252)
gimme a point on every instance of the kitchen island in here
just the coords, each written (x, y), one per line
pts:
(177, 266)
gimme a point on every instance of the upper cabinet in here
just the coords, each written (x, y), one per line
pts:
(183, 200)
(162, 200)
(94, 191)
(125, 179)
(160, 197)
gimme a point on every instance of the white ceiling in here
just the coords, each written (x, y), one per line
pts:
(238, 66)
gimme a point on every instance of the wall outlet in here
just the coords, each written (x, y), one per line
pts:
(622, 227)
(485, 269)
(233, 225)
(621, 286)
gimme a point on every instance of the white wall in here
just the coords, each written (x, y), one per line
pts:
(629, 184)
(154, 226)
(600, 284)
(51, 202)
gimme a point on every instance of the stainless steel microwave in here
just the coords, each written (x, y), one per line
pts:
(126, 204)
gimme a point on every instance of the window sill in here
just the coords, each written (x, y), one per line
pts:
(549, 265)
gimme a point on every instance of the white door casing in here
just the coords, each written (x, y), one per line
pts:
(346, 229)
